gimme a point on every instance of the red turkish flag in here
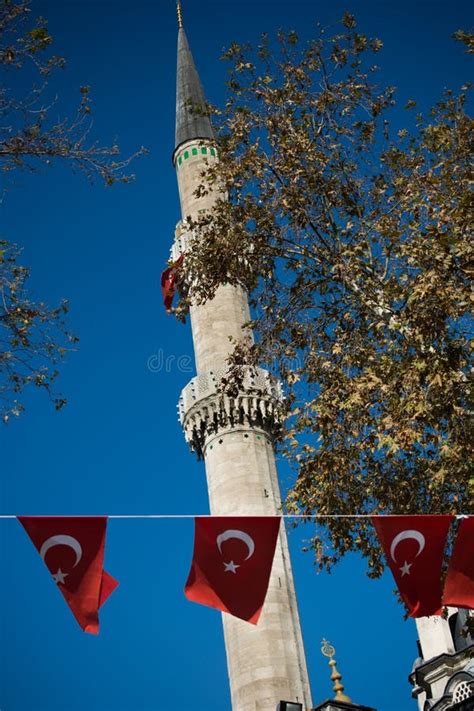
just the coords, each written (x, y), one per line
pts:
(232, 562)
(168, 282)
(72, 548)
(459, 585)
(414, 547)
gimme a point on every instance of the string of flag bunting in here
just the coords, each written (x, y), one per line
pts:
(233, 557)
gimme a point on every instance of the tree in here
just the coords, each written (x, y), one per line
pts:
(33, 336)
(353, 243)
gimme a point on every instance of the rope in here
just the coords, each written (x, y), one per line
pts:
(311, 517)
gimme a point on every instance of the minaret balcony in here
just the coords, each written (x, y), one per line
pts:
(205, 409)
(183, 237)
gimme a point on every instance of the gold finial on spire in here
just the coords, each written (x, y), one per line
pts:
(329, 651)
(179, 11)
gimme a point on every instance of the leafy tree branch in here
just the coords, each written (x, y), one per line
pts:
(33, 337)
(352, 239)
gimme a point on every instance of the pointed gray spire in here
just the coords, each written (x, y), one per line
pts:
(189, 93)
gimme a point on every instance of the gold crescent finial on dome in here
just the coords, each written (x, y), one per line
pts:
(329, 651)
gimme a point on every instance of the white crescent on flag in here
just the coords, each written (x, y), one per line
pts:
(405, 535)
(62, 540)
(241, 536)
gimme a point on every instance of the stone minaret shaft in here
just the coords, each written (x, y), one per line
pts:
(266, 662)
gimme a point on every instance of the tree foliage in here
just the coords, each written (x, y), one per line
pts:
(350, 232)
(30, 132)
(33, 336)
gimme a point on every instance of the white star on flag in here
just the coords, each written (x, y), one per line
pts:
(405, 569)
(231, 567)
(60, 577)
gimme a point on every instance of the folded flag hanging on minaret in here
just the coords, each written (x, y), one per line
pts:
(459, 584)
(232, 562)
(414, 548)
(72, 548)
(168, 282)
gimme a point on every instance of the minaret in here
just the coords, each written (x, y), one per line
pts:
(234, 435)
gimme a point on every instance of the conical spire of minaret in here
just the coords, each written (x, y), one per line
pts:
(189, 94)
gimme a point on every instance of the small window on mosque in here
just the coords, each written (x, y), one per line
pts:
(204, 151)
(186, 155)
(195, 151)
(463, 691)
(180, 160)
(213, 153)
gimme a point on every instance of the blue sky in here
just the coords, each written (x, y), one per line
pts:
(117, 446)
